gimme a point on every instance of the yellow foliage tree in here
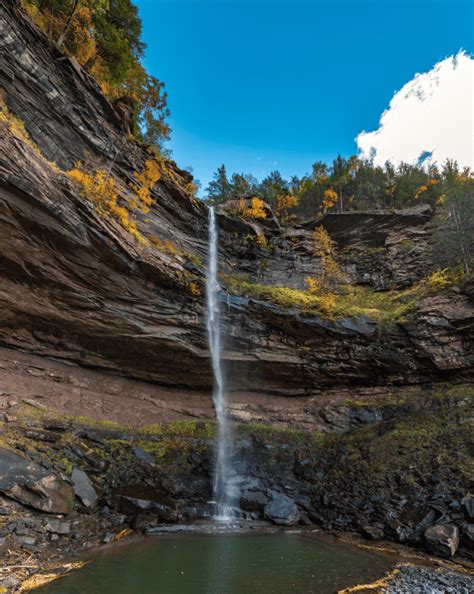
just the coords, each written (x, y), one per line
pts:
(256, 210)
(330, 198)
(142, 199)
(104, 192)
(325, 249)
(430, 182)
(420, 190)
(79, 40)
(284, 204)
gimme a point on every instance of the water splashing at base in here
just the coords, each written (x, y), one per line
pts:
(222, 503)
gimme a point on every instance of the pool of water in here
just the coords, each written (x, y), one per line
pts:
(278, 563)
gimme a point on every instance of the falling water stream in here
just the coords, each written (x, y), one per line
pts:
(223, 509)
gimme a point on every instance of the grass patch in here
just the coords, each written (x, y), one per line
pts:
(384, 307)
(277, 435)
(403, 451)
(443, 392)
(195, 429)
(191, 428)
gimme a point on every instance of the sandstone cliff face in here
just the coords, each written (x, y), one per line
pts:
(76, 287)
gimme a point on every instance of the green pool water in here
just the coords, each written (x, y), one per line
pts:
(278, 563)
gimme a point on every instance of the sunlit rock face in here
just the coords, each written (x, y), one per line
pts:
(76, 287)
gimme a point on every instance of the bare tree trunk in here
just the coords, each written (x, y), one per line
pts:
(62, 37)
(90, 63)
(341, 206)
(456, 216)
(119, 150)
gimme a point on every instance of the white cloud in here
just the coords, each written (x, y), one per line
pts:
(431, 118)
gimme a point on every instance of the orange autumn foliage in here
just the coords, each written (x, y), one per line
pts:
(104, 192)
(329, 199)
(256, 210)
(142, 199)
(284, 204)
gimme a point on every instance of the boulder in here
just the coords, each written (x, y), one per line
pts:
(135, 500)
(442, 539)
(135, 507)
(253, 500)
(83, 488)
(282, 511)
(30, 484)
(372, 532)
(185, 486)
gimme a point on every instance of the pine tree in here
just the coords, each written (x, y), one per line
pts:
(219, 189)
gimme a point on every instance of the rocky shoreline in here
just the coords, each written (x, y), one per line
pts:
(410, 579)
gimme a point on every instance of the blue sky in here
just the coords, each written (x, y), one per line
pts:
(263, 85)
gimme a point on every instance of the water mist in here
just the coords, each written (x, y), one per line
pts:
(223, 505)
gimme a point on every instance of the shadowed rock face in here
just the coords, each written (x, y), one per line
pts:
(28, 483)
(77, 287)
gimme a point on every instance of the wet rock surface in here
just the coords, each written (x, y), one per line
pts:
(282, 511)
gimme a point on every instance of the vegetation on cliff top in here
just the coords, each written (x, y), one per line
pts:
(351, 185)
(105, 38)
(346, 185)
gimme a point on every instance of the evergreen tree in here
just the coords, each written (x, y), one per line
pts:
(118, 31)
(272, 187)
(244, 185)
(219, 189)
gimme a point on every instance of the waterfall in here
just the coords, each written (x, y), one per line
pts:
(222, 503)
